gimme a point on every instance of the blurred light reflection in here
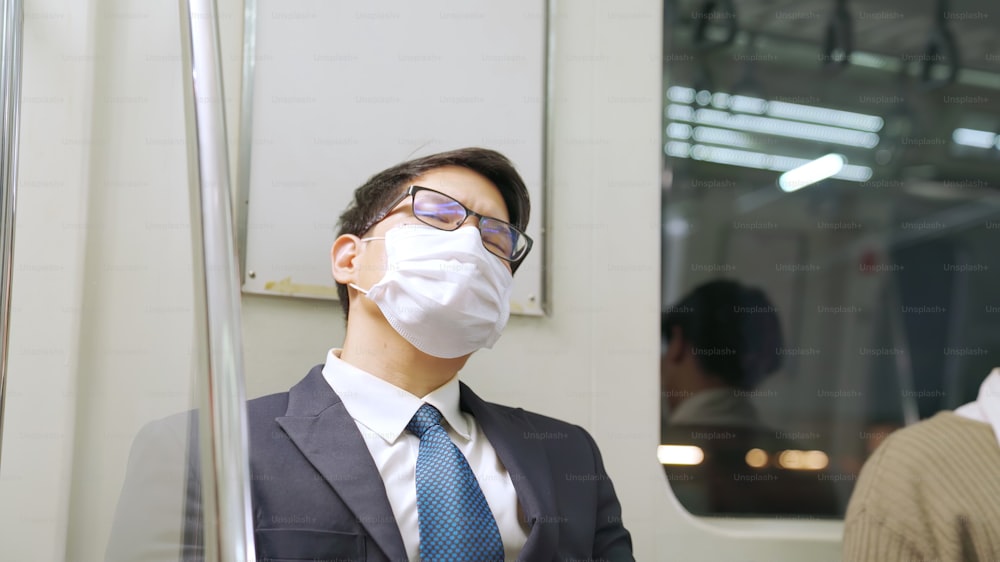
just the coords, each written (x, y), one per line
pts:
(680, 454)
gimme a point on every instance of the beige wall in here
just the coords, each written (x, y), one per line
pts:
(102, 314)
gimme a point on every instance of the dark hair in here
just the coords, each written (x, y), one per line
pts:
(733, 331)
(383, 187)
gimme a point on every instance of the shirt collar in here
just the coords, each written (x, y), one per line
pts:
(384, 408)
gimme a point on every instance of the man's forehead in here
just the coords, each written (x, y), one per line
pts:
(465, 185)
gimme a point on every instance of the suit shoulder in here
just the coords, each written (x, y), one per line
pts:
(541, 422)
(269, 406)
(555, 423)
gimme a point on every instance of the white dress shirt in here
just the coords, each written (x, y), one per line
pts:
(382, 410)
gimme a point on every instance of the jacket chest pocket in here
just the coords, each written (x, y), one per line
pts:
(287, 545)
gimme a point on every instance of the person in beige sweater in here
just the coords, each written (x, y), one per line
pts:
(931, 491)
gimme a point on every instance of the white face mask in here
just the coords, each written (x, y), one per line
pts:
(442, 290)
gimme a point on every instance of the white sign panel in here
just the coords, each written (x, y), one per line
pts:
(345, 89)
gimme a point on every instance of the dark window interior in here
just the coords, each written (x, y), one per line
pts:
(854, 184)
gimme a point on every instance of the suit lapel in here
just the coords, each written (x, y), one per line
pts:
(524, 457)
(323, 430)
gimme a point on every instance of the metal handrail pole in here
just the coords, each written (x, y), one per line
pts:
(10, 116)
(225, 473)
(246, 129)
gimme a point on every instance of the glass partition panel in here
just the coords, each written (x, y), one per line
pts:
(100, 454)
(829, 213)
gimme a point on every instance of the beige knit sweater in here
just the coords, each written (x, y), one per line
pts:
(930, 492)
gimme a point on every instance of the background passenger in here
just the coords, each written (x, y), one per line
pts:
(720, 342)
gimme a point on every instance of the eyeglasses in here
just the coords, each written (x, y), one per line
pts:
(436, 209)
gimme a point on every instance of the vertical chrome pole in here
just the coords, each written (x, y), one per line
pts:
(10, 98)
(246, 129)
(225, 473)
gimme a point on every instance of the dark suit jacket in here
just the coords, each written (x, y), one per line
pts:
(317, 493)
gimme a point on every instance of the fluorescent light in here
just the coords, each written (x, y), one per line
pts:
(776, 108)
(719, 125)
(680, 454)
(807, 174)
(859, 58)
(679, 131)
(772, 126)
(747, 104)
(680, 94)
(854, 173)
(974, 138)
(677, 112)
(745, 158)
(758, 160)
(825, 116)
(712, 135)
(720, 100)
(678, 149)
(780, 127)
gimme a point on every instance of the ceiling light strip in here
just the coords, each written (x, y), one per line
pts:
(756, 160)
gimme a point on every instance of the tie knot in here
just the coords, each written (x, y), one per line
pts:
(426, 417)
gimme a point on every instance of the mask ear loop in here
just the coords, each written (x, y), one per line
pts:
(369, 239)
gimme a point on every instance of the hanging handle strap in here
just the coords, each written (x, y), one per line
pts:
(838, 40)
(940, 48)
(711, 11)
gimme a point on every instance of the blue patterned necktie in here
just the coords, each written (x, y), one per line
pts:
(456, 523)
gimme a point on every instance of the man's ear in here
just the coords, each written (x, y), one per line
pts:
(343, 258)
(677, 346)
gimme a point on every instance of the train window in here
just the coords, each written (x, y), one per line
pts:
(830, 218)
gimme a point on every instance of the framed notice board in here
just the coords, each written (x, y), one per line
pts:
(336, 91)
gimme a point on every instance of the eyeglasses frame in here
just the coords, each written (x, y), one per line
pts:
(413, 189)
